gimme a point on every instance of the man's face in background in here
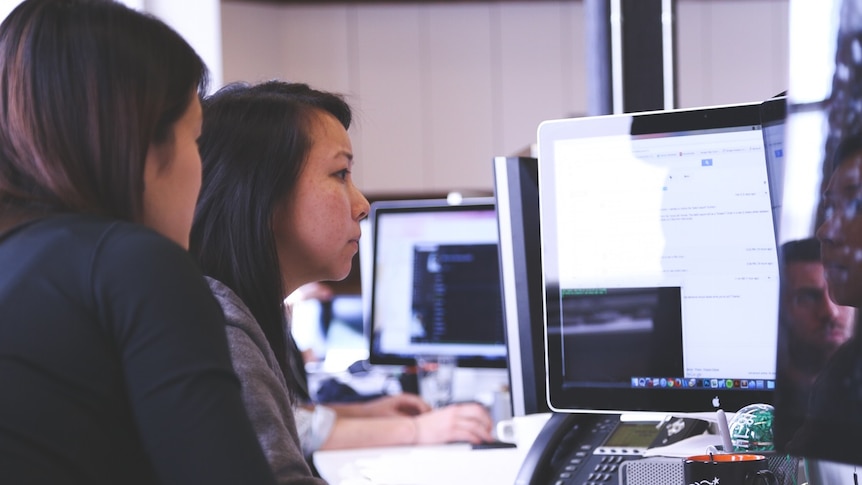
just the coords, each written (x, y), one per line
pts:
(817, 325)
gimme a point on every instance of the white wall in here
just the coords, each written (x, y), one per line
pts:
(442, 88)
(6, 6)
(731, 51)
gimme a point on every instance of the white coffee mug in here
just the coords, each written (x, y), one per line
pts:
(522, 430)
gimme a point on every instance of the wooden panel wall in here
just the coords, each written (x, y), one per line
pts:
(442, 88)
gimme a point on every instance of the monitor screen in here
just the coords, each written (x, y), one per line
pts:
(660, 261)
(435, 286)
(516, 191)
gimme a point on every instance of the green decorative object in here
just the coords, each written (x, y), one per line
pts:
(751, 428)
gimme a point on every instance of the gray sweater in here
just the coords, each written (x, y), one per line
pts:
(264, 390)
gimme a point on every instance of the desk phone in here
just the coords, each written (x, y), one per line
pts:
(587, 449)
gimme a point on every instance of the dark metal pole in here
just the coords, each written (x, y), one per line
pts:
(631, 55)
(598, 55)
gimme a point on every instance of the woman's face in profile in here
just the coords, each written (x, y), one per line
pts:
(840, 233)
(316, 226)
(172, 178)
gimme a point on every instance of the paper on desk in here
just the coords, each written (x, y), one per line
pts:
(694, 445)
(433, 466)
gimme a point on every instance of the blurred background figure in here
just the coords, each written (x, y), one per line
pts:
(310, 307)
(814, 326)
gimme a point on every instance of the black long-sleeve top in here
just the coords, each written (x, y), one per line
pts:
(114, 366)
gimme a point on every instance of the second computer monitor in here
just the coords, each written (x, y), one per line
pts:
(435, 286)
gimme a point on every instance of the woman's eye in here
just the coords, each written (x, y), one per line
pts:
(342, 174)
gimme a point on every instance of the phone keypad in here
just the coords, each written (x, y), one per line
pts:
(586, 464)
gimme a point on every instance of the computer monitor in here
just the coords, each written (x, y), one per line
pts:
(435, 286)
(660, 262)
(516, 191)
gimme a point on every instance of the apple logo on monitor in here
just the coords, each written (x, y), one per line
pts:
(716, 402)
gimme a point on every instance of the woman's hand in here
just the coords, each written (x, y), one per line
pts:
(469, 422)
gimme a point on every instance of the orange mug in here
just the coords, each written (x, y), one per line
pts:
(728, 469)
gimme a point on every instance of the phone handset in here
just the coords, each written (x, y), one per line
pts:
(536, 469)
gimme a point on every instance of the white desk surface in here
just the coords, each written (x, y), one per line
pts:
(452, 464)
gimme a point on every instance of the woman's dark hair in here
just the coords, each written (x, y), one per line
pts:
(848, 146)
(254, 143)
(85, 87)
